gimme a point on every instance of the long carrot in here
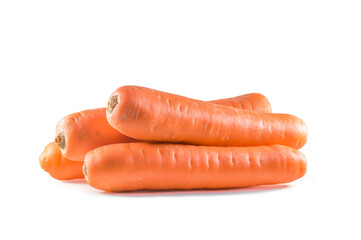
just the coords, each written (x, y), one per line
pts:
(135, 166)
(78, 133)
(147, 114)
(53, 162)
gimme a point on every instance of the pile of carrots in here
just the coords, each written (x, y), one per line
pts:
(148, 139)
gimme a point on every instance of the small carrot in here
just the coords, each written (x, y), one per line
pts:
(147, 114)
(135, 166)
(53, 162)
(78, 133)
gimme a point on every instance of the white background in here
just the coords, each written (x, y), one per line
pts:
(60, 57)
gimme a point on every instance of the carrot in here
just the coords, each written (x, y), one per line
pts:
(146, 114)
(53, 162)
(252, 101)
(135, 166)
(81, 132)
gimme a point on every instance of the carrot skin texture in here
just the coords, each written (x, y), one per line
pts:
(90, 129)
(252, 102)
(147, 114)
(52, 161)
(136, 166)
(87, 130)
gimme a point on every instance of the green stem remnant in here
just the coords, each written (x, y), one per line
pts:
(112, 103)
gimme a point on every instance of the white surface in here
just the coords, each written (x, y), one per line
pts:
(59, 57)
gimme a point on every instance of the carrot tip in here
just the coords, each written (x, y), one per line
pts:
(112, 103)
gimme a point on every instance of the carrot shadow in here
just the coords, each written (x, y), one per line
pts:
(199, 192)
(75, 181)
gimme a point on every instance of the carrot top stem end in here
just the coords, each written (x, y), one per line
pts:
(112, 103)
(60, 141)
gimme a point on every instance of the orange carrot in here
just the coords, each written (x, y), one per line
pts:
(252, 101)
(81, 132)
(135, 166)
(146, 114)
(52, 161)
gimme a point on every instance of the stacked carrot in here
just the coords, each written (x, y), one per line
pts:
(148, 139)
